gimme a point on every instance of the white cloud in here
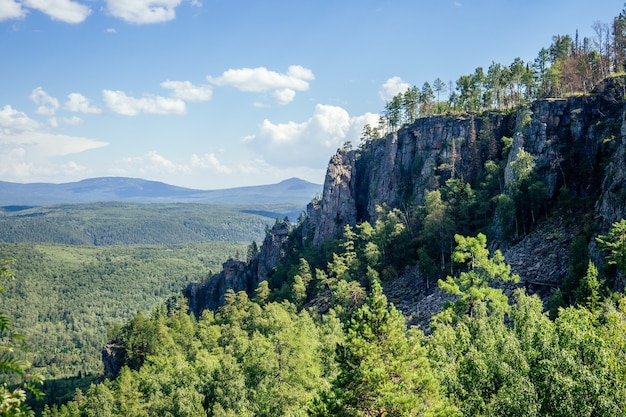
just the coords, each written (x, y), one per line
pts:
(392, 87)
(185, 90)
(110, 30)
(309, 143)
(12, 121)
(154, 164)
(48, 105)
(260, 79)
(284, 95)
(143, 11)
(209, 162)
(118, 102)
(78, 103)
(64, 10)
(72, 121)
(10, 9)
(26, 148)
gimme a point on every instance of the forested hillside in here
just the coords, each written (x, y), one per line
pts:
(127, 223)
(67, 297)
(423, 208)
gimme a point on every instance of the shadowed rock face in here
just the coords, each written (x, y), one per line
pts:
(239, 275)
(568, 137)
(579, 142)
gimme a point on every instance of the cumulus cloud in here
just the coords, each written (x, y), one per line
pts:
(48, 105)
(392, 87)
(282, 85)
(78, 103)
(309, 143)
(143, 11)
(26, 147)
(284, 95)
(13, 121)
(10, 9)
(63, 10)
(118, 102)
(185, 90)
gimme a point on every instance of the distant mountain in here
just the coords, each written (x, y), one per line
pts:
(292, 191)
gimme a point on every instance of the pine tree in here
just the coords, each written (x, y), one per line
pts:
(614, 245)
(383, 369)
(471, 286)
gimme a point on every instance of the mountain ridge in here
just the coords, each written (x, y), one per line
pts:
(104, 189)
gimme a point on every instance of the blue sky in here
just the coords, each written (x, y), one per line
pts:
(221, 93)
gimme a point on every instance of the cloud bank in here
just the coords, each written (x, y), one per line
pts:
(68, 11)
(118, 102)
(26, 148)
(392, 87)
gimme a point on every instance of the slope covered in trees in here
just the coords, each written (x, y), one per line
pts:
(130, 223)
(319, 337)
(266, 358)
(67, 297)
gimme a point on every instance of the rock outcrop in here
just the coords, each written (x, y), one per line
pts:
(578, 144)
(239, 275)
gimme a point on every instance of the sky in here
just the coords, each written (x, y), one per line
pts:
(212, 94)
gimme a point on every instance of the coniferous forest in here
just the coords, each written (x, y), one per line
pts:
(319, 337)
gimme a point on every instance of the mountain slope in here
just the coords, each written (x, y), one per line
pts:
(294, 191)
(576, 151)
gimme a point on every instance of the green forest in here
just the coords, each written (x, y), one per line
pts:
(319, 337)
(483, 355)
(66, 297)
(113, 223)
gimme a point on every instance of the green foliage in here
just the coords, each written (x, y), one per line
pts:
(528, 365)
(471, 286)
(68, 296)
(246, 360)
(260, 358)
(590, 287)
(528, 192)
(614, 245)
(16, 377)
(383, 369)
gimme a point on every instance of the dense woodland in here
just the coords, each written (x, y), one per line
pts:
(320, 338)
(482, 356)
(112, 223)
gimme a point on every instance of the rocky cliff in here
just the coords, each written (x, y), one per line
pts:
(239, 275)
(578, 144)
